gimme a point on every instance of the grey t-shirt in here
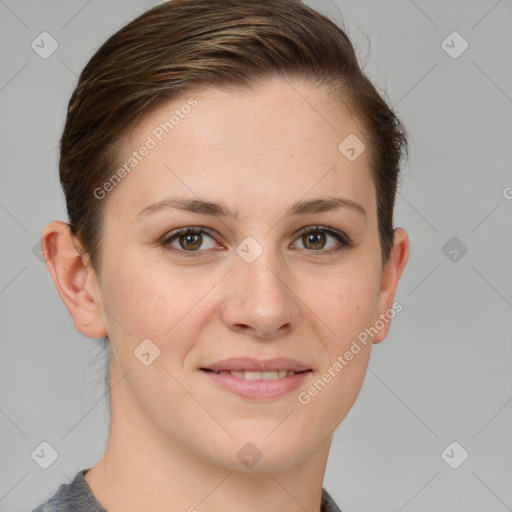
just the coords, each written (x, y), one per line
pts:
(78, 497)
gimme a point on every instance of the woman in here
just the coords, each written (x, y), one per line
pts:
(230, 175)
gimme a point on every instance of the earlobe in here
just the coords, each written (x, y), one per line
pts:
(390, 277)
(74, 279)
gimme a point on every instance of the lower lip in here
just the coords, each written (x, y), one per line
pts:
(257, 389)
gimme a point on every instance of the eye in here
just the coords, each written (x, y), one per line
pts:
(189, 240)
(315, 239)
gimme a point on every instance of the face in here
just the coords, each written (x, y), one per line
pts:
(242, 240)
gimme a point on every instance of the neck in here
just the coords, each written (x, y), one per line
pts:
(144, 468)
(135, 475)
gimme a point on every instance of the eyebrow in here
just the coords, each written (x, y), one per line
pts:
(220, 209)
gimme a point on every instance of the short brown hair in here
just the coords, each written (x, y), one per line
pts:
(181, 44)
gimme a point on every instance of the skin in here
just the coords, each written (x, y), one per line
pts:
(174, 436)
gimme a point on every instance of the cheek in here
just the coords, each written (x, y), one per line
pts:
(346, 300)
(150, 300)
(347, 305)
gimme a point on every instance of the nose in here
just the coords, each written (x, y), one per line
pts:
(259, 299)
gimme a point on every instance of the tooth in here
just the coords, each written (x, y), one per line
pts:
(270, 375)
(252, 375)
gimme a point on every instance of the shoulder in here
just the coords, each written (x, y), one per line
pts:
(328, 504)
(48, 506)
(73, 497)
(77, 497)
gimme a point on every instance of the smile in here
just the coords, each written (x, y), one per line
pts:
(260, 384)
(281, 374)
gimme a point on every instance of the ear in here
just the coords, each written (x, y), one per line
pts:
(73, 277)
(390, 276)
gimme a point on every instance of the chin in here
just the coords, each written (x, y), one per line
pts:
(250, 450)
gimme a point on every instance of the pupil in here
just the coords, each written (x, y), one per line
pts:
(194, 241)
(189, 240)
(316, 239)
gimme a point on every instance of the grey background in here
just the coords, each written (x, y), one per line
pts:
(444, 372)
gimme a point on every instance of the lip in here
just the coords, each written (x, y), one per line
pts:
(262, 390)
(248, 364)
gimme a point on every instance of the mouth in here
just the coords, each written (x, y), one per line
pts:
(257, 379)
(255, 375)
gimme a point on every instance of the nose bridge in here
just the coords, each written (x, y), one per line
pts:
(265, 274)
(261, 298)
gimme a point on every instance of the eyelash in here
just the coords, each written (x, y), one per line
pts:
(343, 240)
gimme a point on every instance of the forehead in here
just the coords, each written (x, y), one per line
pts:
(282, 140)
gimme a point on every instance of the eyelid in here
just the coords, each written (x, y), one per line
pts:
(169, 237)
(332, 231)
(344, 242)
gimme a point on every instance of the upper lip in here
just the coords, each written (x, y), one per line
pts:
(247, 364)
